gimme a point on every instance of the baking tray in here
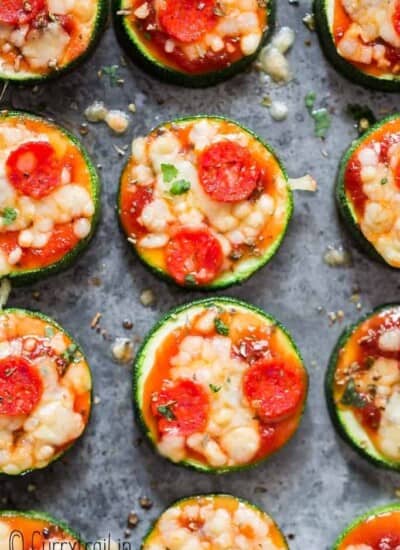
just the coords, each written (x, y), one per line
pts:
(315, 485)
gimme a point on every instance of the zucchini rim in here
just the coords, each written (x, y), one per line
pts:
(149, 63)
(367, 452)
(141, 356)
(56, 325)
(347, 69)
(213, 495)
(28, 276)
(231, 278)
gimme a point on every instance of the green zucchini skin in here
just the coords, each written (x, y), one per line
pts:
(99, 27)
(344, 207)
(41, 516)
(347, 69)
(28, 276)
(377, 460)
(364, 517)
(51, 322)
(234, 279)
(145, 60)
(238, 499)
(140, 357)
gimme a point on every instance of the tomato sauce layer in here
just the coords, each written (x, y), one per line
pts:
(224, 389)
(217, 520)
(368, 35)
(378, 532)
(197, 37)
(45, 392)
(201, 199)
(46, 195)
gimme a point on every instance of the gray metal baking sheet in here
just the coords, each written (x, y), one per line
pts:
(316, 484)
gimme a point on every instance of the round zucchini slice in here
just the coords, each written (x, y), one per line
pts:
(361, 40)
(215, 520)
(43, 39)
(189, 45)
(367, 189)
(378, 529)
(363, 386)
(45, 391)
(219, 385)
(31, 529)
(49, 204)
(204, 202)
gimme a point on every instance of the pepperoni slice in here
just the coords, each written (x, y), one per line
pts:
(353, 183)
(194, 255)
(20, 386)
(181, 408)
(33, 169)
(396, 17)
(188, 20)
(20, 12)
(228, 173)
(273, 389)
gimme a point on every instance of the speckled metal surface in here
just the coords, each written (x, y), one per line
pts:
(316, 484)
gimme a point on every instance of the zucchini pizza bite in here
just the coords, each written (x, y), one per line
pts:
(40, 39)
(49, 197)
(204, 202)
(363, 386)
(193, 43)
(45, 391)
(368, 191)
(219, 385)
(378, 529)
(35, 531)
(361, 38)
(214, 521)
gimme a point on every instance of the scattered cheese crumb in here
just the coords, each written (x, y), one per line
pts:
(305, 183)
(147, 297)
(122, 350)
(337, 257)
(5, 289)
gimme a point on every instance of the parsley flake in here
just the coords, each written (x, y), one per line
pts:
(169, 172)
(351, 397)
(221, 327)
(179, 187)
(166, 411)
(9, 215)
(112, 73)
(214, 389)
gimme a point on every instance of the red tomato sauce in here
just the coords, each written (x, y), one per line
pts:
(381, 532)
(274, 434)
(187, 29)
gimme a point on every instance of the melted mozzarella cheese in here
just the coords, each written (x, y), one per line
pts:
(45, 46)
(375, 18)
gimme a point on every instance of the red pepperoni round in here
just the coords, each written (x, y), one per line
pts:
(181, 408)
(33, 169)
(20, 12)
(228, 173)
(188, 20)
(353, 184)
(20, 386)
(273, 389)
(194, 255)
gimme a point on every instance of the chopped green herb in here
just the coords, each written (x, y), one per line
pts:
(70, 354)
(9, 215)
(49, 332)
(179, 187)
(214, 389)
(363, 116)
(112, 73)
(190, 279)
(221, 327)
(351, 397)
(368, 363)
(309, 100)
(384, 181)
(166, 411)
(147, 36)
(169, 172)
(322, 120)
